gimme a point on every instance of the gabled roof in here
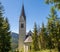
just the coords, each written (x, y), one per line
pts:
(28, 39)
(28, 34)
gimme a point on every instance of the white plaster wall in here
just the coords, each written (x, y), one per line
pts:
(25, 48)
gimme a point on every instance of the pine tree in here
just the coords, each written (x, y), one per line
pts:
(35, 38)
(55, 2)
(4, 32)
(42, 37)
(53, 28)
(58, 34)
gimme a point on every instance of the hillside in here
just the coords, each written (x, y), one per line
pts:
(14, 40)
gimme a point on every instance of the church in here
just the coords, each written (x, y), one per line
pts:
(25, 40)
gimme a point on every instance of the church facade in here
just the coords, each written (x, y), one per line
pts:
(24, 41)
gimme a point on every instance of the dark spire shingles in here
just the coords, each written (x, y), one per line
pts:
(23, 12)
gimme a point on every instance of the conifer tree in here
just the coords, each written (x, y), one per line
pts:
(58, 34)
(35, 38)
(4, 32)
(53, 28)
(42, 37)
(55, 2)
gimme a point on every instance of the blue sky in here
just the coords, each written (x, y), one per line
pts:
(35, 10)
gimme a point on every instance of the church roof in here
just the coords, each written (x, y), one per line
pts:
(28, 34)
(28, 39)
(23, 12)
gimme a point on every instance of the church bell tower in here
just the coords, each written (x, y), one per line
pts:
(22, 30)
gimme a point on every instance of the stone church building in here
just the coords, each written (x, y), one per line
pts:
(25, 40)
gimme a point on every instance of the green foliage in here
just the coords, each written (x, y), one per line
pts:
(55, 2)
(4, 33)
(46, 50)
(35, 38)
(42, 37)
(53, 27)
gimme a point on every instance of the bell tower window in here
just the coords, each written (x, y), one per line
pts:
(22, 25)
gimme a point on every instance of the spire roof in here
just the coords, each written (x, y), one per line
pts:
(23, 12)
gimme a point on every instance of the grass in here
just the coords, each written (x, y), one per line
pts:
(46, 50)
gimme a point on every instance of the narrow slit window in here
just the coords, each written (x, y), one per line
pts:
(22, 25)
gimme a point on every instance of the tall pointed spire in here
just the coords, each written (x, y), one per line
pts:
(23, 12)
(22, 29)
